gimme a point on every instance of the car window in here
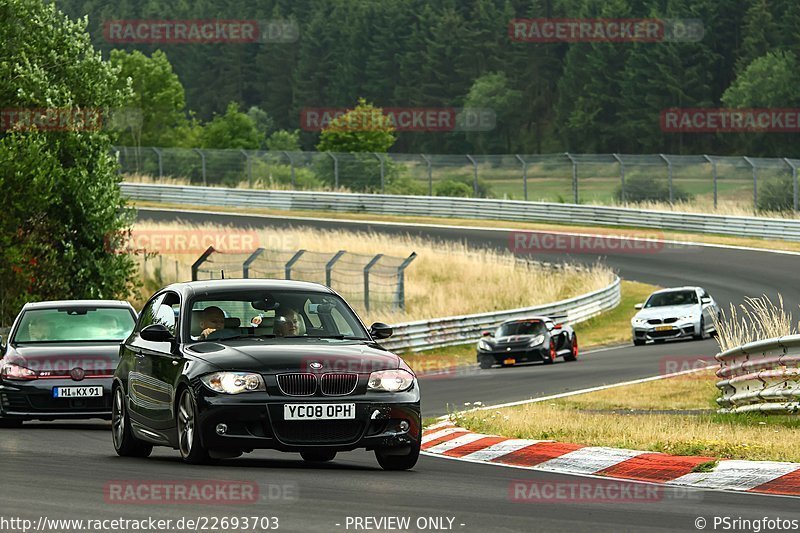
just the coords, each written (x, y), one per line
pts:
(74, 324)
(663, 299)
(526, 327)
(149, 313)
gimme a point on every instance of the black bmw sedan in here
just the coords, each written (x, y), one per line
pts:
(219, 368)
(59, 360)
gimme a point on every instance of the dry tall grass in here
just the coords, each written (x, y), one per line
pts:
(447, 278)
(705, 205)
(760, 319)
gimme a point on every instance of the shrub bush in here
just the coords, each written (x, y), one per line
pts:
(645, 188)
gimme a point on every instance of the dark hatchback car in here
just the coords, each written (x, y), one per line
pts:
(60, 358)
(224, 367)
(531, 339)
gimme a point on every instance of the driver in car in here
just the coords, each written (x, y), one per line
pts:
(212, 320)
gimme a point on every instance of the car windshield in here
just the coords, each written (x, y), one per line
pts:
(273, 314)
(663, 299)
(74, 324)
(526, 327)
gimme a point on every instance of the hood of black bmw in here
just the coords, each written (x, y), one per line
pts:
(295, 356)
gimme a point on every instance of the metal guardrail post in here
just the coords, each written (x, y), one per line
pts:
(401, 282)
(474, 175)
(383, 183)
(367, 268)
(249, 167)
(794, 183)
(714, 176)
(203, 160)
(160, 162)
(669, 177)
(335, 169)
(329, 267)
(291, 168)
(621, 176)
(524, 176)
(574, 176)
(288, 267)
(755, 183)
(249, 261)
(430, 174)
(200, 260)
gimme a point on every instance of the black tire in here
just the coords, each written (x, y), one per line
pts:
(573, 347)
(702, 335)
(638, 342)
(318, 456)
(125, 443)
(551, 354)
(192, 450)
(486, 362)
(10, 423)
(659, 341)
(400, 462)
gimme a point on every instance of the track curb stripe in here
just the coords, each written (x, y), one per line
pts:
(763, 477)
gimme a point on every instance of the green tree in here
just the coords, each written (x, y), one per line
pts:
(492, 91)
(759, 32)
(157, 94)
(61, 204)
(263, 121)
(362, 129)
(234, 129)
(284, 140)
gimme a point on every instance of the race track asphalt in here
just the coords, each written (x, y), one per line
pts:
(62, 470)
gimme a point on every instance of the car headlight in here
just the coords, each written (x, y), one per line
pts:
(638, 321)
(234, 382)
(537, 340)
(15, 371)
(390, 380)
(483, 345)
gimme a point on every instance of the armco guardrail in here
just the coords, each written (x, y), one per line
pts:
(439, 332)
(761, 376)
(474, 208)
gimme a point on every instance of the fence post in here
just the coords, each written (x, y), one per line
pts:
(335, 170)
(366, 279)
(621, 176)
(249, 168)
(288, 268)
(574, 176)
(329, 267)
(755, 183)
(430, 174)
(383, 184)
(203, 160)
(669, 177)
(524, 176)
(401, 282)
(200, 260)
(714, 176)
(475, 176)
(249, 261)
(160, 162)
(794, 183)
(291, 167)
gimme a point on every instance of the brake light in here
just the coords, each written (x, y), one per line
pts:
(14, 371)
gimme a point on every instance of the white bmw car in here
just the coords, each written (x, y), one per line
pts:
(683, 312)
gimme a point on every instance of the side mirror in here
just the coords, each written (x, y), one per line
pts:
(705, 300)
(2, 345)
(638, 306)
(486, 334)
(379, 330)
(156, 333)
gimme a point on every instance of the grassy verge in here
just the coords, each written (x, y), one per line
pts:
(533, 226)
(674, 415)
(612, 327)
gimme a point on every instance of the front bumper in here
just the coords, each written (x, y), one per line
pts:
(33, 400)
(519, 355)
(649, 332)
(256, 421)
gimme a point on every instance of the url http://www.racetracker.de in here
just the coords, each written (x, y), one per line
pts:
(140, 525)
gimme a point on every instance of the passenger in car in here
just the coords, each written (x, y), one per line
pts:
(212, 319)
(288, 323)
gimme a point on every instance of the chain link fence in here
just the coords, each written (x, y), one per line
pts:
(608, 179)
(367, 281)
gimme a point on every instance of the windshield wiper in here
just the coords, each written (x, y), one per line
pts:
(335, 337)
(262, 336)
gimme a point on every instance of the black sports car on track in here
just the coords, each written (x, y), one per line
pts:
(60, 358)
(224, 367)
(524, 340)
